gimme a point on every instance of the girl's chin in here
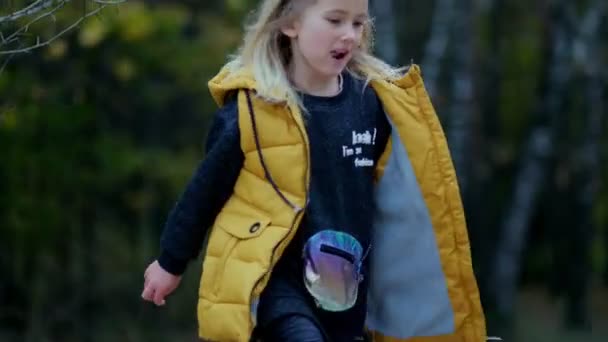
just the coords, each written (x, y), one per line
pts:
(333, 70)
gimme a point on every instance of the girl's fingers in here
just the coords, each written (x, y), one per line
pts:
(159, 298)
(148, 293)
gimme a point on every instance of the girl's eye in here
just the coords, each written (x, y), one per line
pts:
(334, 21)
(357, 24)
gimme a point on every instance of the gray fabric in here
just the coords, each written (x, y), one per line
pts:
(408, 292)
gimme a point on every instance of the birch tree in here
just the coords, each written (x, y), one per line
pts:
(482, 173)
(585, 168)
(461, 108)
(384, 23)
(531, 175)
(436, 46)
(533, 172)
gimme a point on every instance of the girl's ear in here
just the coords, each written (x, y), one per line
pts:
(290, 29)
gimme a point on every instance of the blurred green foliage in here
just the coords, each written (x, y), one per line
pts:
(99, 133)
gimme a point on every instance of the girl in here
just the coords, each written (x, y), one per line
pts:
(327, 202)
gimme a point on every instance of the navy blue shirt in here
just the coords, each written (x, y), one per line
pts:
(206, 193)
(347, 134)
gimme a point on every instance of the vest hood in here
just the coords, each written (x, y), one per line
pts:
(228, 80)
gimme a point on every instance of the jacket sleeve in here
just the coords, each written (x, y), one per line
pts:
(206, 193)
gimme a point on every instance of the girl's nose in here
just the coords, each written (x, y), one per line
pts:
(350, 34)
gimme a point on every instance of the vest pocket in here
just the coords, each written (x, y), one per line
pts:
(233, 230)
(243, 225)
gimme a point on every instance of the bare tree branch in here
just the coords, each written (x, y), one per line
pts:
(35, 9)
(50, 40)
(8, 59)
(15, 35)
(32, 9)
(108, 2)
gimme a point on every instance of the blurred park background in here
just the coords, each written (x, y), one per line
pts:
(102, 125)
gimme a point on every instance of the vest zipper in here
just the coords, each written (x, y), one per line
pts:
(299, 211)
(258, 148)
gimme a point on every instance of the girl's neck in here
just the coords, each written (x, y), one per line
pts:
(306, 81)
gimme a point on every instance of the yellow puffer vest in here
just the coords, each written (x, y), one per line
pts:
(422, 286)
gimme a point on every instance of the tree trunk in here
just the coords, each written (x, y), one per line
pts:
(385, 36)
(482, 168)
(586, 172)
(530, 179)
(460, 120)
(437, 44)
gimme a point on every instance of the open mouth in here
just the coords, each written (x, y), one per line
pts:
(339, 54)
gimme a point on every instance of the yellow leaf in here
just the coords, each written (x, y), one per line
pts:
(236, 5)
(124, 69)
(8, 118)
(136, 22)
(57, 49)
(92, 33)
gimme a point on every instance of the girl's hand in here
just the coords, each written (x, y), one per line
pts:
(158, 284)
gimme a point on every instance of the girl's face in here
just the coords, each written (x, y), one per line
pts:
(326, 35)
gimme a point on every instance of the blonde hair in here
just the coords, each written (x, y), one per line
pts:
(266, 52)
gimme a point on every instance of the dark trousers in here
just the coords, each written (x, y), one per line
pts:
(292, 328)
